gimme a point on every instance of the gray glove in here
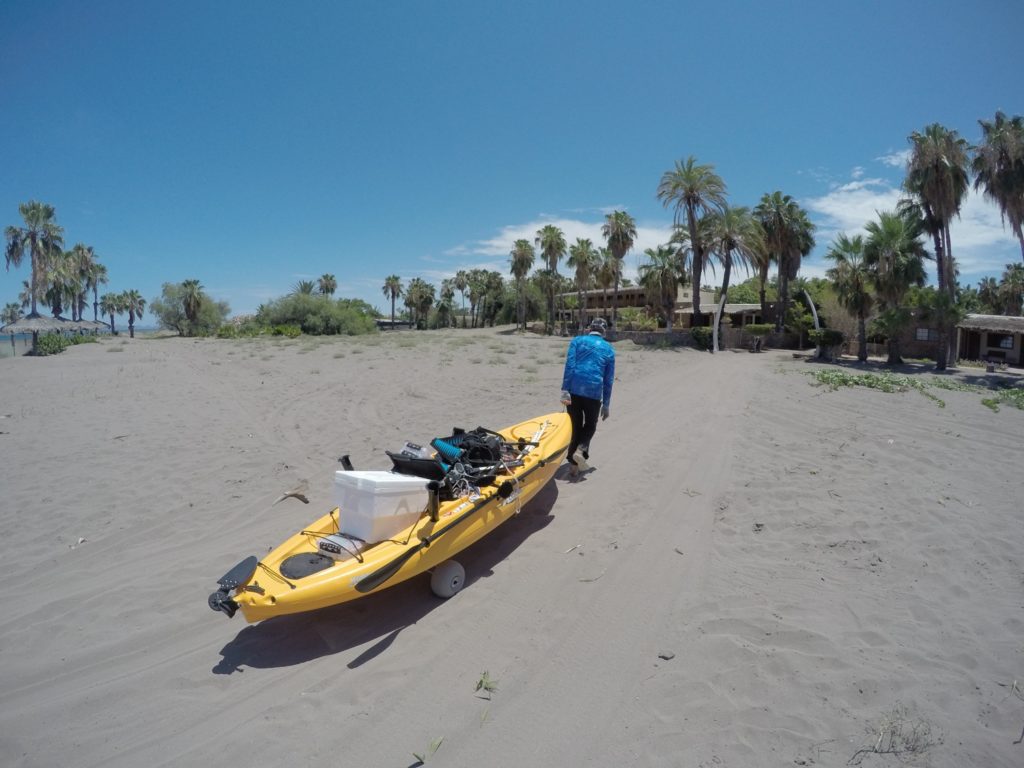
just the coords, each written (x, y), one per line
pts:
(605, 412)
(566, 397)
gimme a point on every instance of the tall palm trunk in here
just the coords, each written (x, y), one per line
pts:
(894, 350)
(942, 275)
(862, 336)
(725, 293)
(780, 321)
(698, 262)
(615, 304)
(762, 282)
(131, 324)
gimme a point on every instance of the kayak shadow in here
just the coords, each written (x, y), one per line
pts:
(289, 640)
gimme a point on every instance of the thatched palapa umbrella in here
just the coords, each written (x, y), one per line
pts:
(36, 324)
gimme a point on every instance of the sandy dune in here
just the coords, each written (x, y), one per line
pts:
(757, 572)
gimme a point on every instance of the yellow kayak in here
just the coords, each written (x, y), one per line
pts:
(358, 548)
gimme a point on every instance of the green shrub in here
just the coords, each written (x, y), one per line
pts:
(79, 339)
(287, 330)
(701, 336)
(52, 344)
(635, 319)
(169, 311)
(758, 329)
(319, 315)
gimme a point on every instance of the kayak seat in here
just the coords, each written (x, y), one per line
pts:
(430, 469)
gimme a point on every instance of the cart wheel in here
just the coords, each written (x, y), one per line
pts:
(447, 579)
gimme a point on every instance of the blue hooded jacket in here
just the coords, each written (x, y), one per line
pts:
(590, 368)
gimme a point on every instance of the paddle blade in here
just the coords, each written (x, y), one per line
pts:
(382, 574)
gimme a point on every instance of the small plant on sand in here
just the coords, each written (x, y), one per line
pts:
(421, 757)
(884, 382)
(891, 382)
(896, 734)
(486, 684)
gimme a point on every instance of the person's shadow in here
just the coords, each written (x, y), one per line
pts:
(294, 639)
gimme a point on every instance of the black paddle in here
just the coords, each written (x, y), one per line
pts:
(382, 574)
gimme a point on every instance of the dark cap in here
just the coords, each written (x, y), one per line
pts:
(598, 325)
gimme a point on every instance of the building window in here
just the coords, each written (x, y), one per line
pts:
(1001, 340)
(927, 334)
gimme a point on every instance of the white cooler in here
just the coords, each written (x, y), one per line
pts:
(376, 505)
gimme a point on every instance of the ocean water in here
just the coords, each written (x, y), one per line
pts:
(22, 344)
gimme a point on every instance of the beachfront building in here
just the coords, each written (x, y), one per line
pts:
(598, 303)
(991, 338)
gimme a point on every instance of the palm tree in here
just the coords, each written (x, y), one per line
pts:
(461, 285)
(110, 305)
(60, 282)
(327, 285)
(392, 289)
(446, 303)
(937, 182)
(894, 253)
(661, 275)
(607, 275)
(998, 166)
(419, 297)
(619, 230)
(551, 242)
(521, 259)
(304, 288)
(584, 259)
(476, 283)
(1011, 289)
(694, 190)
(84, 259)
(735, 237)
(763, 263)
(134, 304)
(988, 295)
(41, 238)
(788, 237)
(851, 278)
(493, 287)
(97, 276)
(191, 299)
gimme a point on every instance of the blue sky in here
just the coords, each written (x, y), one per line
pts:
(255, 144)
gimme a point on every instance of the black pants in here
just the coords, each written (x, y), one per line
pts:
(583, 413)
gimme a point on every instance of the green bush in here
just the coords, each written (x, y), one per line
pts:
(319, 315)
(79, 339)
(635, 319)
(701, 336)
(169, 312)
(52, 344)
(758, 329)
(288, 330)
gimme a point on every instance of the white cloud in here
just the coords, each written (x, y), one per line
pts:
(895, 159)
(981, 245)
(857, 172)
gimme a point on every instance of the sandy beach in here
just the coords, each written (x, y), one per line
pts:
(756, 572)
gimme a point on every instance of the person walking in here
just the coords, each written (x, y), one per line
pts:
(587, 390)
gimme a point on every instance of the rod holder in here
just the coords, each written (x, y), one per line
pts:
(434, 500)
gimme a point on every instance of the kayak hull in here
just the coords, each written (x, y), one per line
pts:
(425, 544)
